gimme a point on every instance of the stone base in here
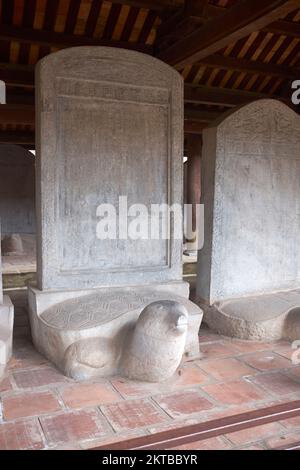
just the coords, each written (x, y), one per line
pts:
(266, 317)
(61, 318)
(6, 332)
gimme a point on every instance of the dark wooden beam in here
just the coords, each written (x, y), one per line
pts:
(61, 40)
(200, 114)
(219, 96)
(158, 5)
(235, 23)
(250, 66)
(20, 138)
(17, 75)
(17, 114)
(286, 28)
(185, 21)
(194, 127)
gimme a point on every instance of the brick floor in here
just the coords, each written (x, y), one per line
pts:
(85, 395)
(278, 383)
(41, 409)
(226, 369)
(133, 414)
(38, 377)
(21, 405)
(235, 392)
(183, 403)
(23, 435)
(73, 426)
(267, 361)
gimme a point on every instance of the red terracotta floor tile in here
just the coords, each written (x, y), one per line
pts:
(5, 384)
(234, 392)
(295, 372)
(207, 336)
(285, 351)
(131, 389)
(226, 369)
(189, 375)
(277, 442)
(266, 361)
(133, 414)
(85, 395)
(220, 350)
(277, 383)
(38, 377)
(183, 403)
(73, 426)
(20, 405)
(251, 346)
(252, 447)
(252, 435)
(291, 423)
(215, 443)
(24, 355)
(22, 435)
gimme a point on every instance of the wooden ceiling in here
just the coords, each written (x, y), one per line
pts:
(229, 52)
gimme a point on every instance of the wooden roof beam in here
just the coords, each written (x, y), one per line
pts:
(195, 94)
(17, 137)
(235, 23)
(249, 66)
(158, 5)
(17, 114)
(62, 40)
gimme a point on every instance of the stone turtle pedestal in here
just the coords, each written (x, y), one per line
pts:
(60, 319)
(109, 124)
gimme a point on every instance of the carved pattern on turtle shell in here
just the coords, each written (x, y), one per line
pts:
(96, 309)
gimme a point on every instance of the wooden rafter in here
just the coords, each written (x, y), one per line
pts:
(158, 5)
(235, 23)
(250, 66)
(219, 96)
(23, 75)
(62, 40)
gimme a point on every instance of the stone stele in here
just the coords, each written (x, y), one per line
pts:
(6, 327)
(109, 124)
(249, 268)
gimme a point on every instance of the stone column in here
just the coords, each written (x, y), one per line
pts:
(193, 190)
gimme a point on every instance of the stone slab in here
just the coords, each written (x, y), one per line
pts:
(6, 332)
(251, 172)
(109, 124)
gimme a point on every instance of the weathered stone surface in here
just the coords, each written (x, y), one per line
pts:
(6, 326)
(99, 320)
(266, 317)
(12, 245)
(109, 124)
(251, 171)
(155, 347)
(149, 349)
(17, 190)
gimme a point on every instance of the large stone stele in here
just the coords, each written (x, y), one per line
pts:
(6, 327)
(109, 124)
(249, 268)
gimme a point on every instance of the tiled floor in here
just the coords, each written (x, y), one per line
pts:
(41, 409)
